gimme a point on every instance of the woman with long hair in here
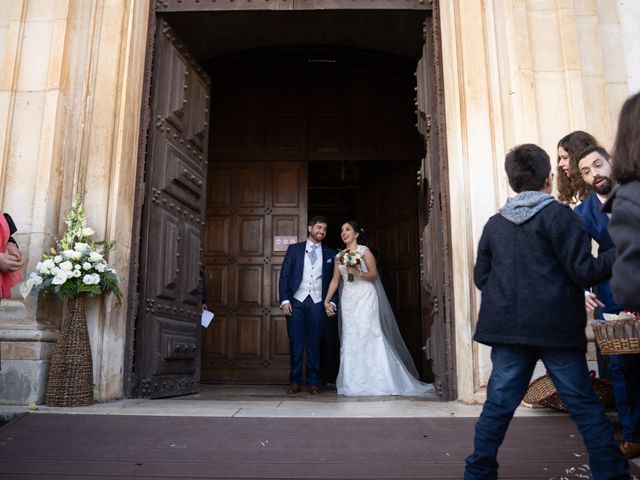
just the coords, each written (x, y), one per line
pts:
(374, 359)
(571, 187)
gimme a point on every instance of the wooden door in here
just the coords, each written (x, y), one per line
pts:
(435, 260)
(167, 360)
(250, 205)
(388, 209)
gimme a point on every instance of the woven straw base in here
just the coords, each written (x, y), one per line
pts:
(71, 372)
(542, 391)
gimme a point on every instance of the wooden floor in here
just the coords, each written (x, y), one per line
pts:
(47, 446)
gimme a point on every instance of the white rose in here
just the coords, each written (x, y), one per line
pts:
(77, 273)
(86, 266)
(66, 266)
(81, 247)
(77, 266)
(55, 270)
(96, 278)
(35, 279)
(45, 266)
(100, 267)
(57, 258)
(87, 232)
(95, 257)
(87, 280)
(72, 255)
(60, 278)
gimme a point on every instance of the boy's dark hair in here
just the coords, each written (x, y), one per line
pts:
(626, 153)
(589, 150)
(317, 219)
(527, 167)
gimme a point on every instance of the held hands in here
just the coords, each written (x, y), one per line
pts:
(591, 302)
(329, 309)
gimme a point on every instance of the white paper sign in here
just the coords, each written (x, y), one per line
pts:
(206, 318)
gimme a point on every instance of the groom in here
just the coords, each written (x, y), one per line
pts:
(304, 279)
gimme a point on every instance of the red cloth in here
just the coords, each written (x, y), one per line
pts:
(8, 280)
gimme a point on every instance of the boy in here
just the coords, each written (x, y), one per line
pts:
(534, 258)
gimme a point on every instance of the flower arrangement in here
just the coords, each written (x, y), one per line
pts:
(350, 259)
(78, 266)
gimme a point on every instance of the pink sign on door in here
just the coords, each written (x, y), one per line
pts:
(281, 243)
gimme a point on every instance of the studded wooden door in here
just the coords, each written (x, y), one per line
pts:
(435, 259)
(254, 207)
(167, 356)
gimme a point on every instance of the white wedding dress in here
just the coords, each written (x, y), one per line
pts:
(372, 363)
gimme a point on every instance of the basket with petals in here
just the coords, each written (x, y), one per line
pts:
(618, 334)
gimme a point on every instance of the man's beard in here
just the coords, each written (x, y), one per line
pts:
(604, 188)
(318, 237)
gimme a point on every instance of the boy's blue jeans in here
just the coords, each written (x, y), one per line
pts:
(512, 370)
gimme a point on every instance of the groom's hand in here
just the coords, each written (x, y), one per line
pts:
(329, 309)
(286, 309)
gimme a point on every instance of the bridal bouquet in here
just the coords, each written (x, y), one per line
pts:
(77, 267)
(350, 259)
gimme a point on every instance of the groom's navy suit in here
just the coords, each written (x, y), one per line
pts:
(304, 326)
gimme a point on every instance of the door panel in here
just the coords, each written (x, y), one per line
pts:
(167, 329)
(432, 178)
(267, 200)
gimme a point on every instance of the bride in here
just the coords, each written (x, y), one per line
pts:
(374, 359)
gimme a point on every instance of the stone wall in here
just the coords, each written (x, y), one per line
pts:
(520, 71)
(70, 96)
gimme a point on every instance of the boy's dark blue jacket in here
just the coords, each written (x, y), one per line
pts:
(534, 259)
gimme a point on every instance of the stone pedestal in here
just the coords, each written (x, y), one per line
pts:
(25, 349)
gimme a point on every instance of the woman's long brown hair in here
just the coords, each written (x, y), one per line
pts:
(573, 188)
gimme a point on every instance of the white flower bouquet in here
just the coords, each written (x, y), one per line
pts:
(77, 267)
(350, 259)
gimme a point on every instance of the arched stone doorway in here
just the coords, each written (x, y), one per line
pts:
(248, 344)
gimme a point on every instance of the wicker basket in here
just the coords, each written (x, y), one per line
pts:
(542, 391)
(617, 337)
(71, 372)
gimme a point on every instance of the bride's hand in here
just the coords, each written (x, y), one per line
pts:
(356, 272)
(328, 308)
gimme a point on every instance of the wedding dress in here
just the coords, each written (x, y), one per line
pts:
(374, 359)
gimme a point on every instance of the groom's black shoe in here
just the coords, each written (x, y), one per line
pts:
(314, 389)
(293, 388)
